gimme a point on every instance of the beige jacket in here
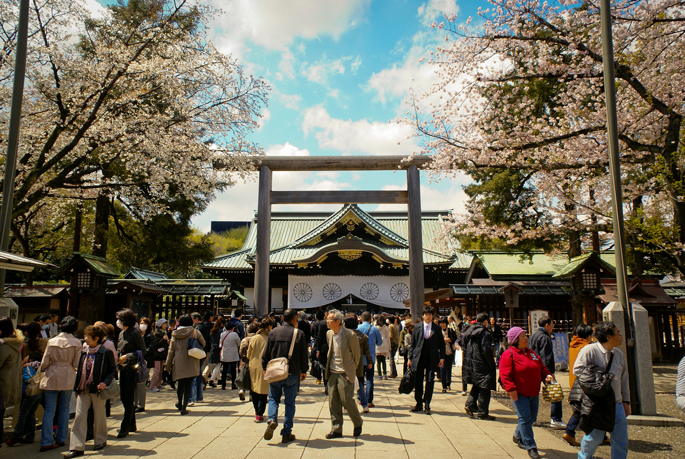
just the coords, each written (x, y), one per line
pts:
(60, 361)
(178, 362)
(254, 354)
(11, 369)
(351, 353)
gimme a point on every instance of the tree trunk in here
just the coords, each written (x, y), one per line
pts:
(637, 257)
(78, 224)
(101, 226)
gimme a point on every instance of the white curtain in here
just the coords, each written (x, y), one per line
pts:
(314, 291)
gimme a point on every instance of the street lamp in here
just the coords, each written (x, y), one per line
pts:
(617, 192)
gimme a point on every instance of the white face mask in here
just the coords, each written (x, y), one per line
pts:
(119, 324)
(143, 327)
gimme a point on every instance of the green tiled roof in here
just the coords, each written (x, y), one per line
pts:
(500, 264)
(97, 264)
(290, 230)
(470, 290)
(577, 263)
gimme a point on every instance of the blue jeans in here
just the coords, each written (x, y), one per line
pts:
(287, 387)
(619, 438)
(198, 384)
(26, 421)
(527, 412)
(368, 372)
(51, 406)
(557, 413)
(361, 393)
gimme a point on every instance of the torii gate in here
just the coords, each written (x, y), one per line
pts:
(411, 197)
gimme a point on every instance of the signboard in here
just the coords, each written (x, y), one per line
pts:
(560, 350)
(534, 317)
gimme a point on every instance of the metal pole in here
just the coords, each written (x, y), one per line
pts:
(617, 194)
(13, 134)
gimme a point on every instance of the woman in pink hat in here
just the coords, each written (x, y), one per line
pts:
(522, 372)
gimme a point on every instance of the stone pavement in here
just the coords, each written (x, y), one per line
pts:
(223, 427)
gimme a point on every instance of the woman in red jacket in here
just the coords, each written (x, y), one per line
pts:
(521, 372)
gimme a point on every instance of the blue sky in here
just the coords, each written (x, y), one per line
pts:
(340, 72)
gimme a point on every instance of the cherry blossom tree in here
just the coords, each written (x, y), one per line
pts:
(134, 105)
(521, 91)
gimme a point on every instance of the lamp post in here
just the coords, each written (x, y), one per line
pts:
(13, 134)
(617, 193)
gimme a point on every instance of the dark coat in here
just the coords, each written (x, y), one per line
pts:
(158, 342)
(479, 366)
(205, 328)
(593, 400)
(541, 343)
(103, 371)
(130, 341)
(323, 344)
(278, 345)
(436, 343)
(306, 329)
(215, 351)
(149, 349)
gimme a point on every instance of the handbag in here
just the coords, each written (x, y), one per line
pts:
(243, 379)
(403, 351)
(194, 349)
(317, 370)
(277, 369)
(111, 389)
(33, 387)
(407, 382)
(552, 392)
(142, 372)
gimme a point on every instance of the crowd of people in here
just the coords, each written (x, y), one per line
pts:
(267, 357)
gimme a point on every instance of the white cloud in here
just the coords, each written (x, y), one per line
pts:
(396, 82)
(334, 93)
(274, 24)
(346, 136)
(286, 64)
(285, 150)
(291, 101)
(266, 116)
(354, 66)
(434, 9)
(320, 71)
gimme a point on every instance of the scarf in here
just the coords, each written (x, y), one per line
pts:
(87, 371)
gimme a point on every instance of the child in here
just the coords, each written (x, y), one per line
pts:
(25, 429)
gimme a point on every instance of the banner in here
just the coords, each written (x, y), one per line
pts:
(314, 291)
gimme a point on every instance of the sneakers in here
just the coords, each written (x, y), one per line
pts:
(519, 442)
(270, 427)
(258, 419)
(287, 438)
(191, 403)
(241, 394)
(463, 393)
(533, 453)
(155, 389)
(557, 425)
(371, 405)
(365, 410)
(570, 440)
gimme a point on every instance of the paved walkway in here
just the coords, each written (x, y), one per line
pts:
(223, 427)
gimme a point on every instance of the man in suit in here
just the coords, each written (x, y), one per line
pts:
(343, 358)
(427, 355)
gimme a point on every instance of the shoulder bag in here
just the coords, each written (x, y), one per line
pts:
(111, 389)
(33, 387)
(195, 350)
(277, 369)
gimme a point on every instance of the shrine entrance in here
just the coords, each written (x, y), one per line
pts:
(411, 196)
